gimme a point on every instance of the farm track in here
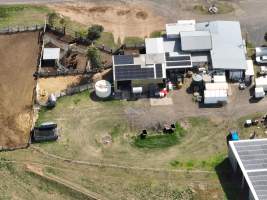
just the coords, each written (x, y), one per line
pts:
(91, 195)
(95, 164)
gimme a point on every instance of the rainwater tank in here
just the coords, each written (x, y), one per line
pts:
(102, 89)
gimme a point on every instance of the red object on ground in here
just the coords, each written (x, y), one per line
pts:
(164, 91)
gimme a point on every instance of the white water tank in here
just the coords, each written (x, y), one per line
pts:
(102, 89)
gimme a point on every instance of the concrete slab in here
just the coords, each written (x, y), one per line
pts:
(161, 102)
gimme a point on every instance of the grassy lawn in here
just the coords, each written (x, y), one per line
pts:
(18, 182)
(107, 39)
(22, 15)
(156, 34)
(159, 141)
(133, 40)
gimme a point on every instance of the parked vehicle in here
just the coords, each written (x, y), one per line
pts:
(45, 132)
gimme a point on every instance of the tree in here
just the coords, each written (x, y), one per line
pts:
(94, 57)
(63, 22)
(52, 18)
(94, 32)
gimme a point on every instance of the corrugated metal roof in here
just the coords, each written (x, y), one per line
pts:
(154, 45)
(174, 29)
(250, 70)
(51, 53)
(228, 50)
(196, 41)
(251, 156)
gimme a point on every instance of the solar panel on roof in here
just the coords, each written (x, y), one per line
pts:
(252, 157)
(123, 60)
(133, 72)
(182, 63)
(159, 70)
(177, 58)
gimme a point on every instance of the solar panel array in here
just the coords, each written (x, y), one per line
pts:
(159, 71)
(253, 155)
(176, 58)
(123, 60)
(259, 182)
(178, 61)
(183, 63)
(133, 72)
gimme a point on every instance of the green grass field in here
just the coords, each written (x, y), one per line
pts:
(22, 15)
(133, 40)
(84, 122)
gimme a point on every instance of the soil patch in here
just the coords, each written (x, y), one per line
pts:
(122, 19)
(19, 53)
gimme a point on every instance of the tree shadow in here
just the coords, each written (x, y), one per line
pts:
(230, 182)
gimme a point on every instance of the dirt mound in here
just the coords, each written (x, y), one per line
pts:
(19, 53)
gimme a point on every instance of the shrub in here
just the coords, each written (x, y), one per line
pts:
(94, 56)
(94, 32)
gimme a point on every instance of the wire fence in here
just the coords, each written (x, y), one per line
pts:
(20, 28)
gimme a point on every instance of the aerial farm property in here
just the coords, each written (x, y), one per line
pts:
(93, 108)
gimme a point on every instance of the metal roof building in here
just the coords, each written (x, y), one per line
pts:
(228, 49)
(251, 157)
(196, 41)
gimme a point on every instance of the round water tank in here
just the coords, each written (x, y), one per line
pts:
(103, 89)
(197, 78)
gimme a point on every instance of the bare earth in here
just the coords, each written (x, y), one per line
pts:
(141, 17)
(53, 85)
(18, 54)
(122, 19)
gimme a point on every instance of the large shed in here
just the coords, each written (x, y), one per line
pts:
(250, 157)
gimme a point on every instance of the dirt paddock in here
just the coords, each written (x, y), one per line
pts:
(18, 53)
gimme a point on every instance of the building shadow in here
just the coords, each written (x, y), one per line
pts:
(217, 105)
(230, 182)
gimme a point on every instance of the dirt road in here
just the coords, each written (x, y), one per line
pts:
(18, 62)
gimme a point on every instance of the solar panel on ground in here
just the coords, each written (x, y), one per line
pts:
(159, 70)
(182, 63)
(133, 72)
(123, 60)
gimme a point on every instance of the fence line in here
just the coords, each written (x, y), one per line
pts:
(20, 28)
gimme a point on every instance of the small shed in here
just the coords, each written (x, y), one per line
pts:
(50, 56)
(249, 73)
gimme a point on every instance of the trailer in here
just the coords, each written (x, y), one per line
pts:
(215, 96)
(216, 86)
